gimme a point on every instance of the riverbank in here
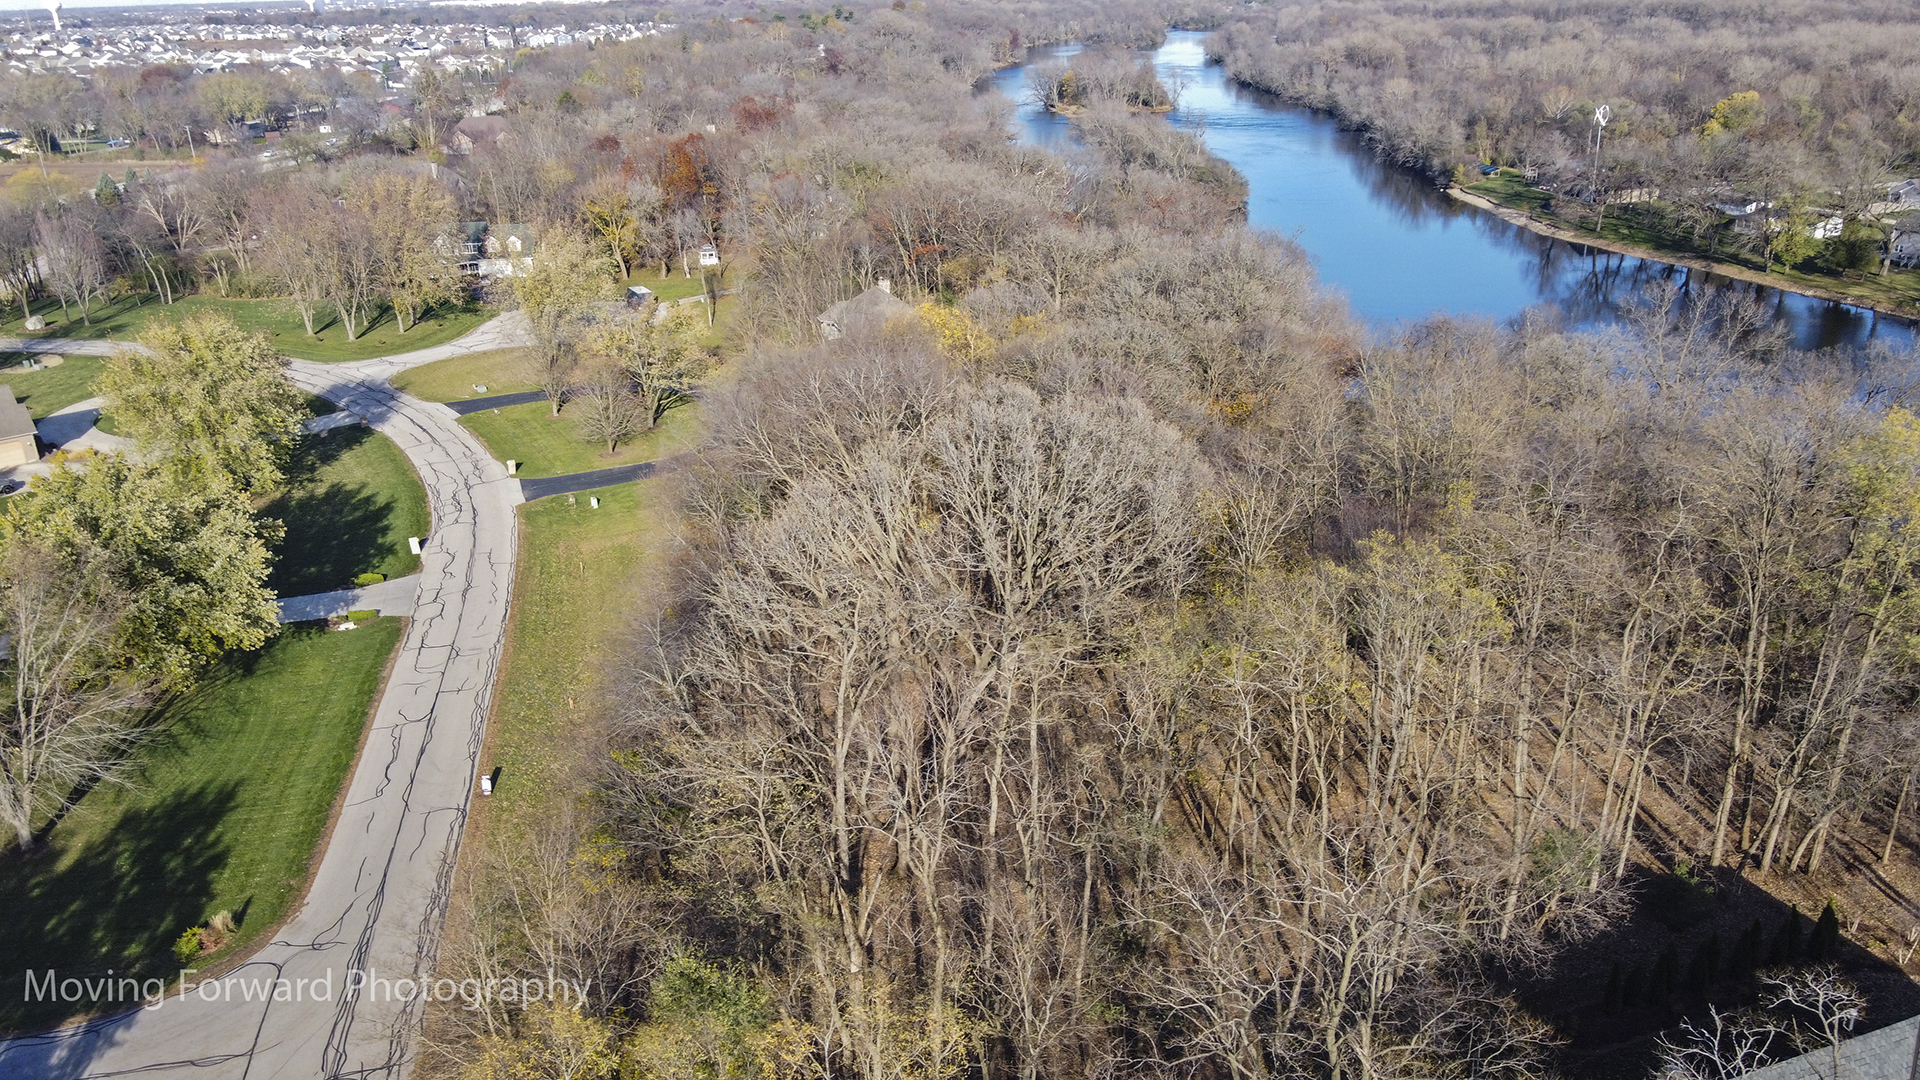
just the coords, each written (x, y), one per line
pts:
(1733, 271)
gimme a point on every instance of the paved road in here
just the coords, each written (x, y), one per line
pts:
(379, 898)
(544, 486)
(495, 401)
(395, 597)
(505, 332)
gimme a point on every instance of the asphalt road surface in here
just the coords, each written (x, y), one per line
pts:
(335, 993)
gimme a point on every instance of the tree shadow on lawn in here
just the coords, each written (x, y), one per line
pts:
(334, 532)
(119, 905)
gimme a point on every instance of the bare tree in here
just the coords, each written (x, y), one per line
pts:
(605, 405)
(1725, 1047)
(569, 274)
(658, 350)
(75, 262)
(71, 714)
(1819, 1001)
(295, 248)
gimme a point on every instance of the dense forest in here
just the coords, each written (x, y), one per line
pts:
(1120, 662)
(1806, 106)
(1111, 659)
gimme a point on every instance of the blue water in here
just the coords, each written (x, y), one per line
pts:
(1395, 246)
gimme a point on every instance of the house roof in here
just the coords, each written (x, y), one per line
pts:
(480, 129)
(872, 308)
(15, 421)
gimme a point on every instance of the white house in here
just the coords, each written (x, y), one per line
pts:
(1740, 206)
(1903, 248)
(506, 251)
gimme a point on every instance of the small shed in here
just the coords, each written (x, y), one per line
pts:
(709, 255)
(19, 442)
(639, 296)
(869, 311)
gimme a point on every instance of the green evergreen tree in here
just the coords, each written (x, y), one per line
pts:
(106, 192)
(1631, 989)
(1786, 942)
(1747, 952)
(1825, 940)
(1665, 973)
(1706, 964)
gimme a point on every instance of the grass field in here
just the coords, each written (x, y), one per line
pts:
(453, 379)
(222, 813)
(49, 390)
(124, 318)
(351, 501)
(671, 287)
(546, 445)
(578, 583)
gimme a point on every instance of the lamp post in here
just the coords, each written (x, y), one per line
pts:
(1601, 115)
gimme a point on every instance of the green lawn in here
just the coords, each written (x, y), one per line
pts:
(352, 500)
(671, 287)
(223, 810)
(1510, 189)
(547, 445)
(454, 379)
(579, 576)
(51, 389)
(124, 318)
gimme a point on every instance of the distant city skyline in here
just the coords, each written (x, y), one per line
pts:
(9, 7)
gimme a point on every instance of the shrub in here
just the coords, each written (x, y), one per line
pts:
(188, 947)
(219, 930)
(365, 580)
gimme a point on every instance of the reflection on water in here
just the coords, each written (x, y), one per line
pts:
(1396, 246)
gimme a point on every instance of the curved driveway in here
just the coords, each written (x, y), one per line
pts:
(379, 897)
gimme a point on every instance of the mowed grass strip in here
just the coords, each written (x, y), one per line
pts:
(548, 445)
(125, 317)
(223, 810)
(581, 577)
(671, 287)
(502, 371)
(352, 500)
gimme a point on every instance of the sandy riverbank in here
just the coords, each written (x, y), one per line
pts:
(1738, 273)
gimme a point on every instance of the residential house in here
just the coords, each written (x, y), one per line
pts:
(870, 311)
(478, 131)
(506, 251)
(1903, 247)
(19, 442)
(1741, 206)
(1901, 197)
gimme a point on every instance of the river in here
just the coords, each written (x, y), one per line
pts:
(1398, 248)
